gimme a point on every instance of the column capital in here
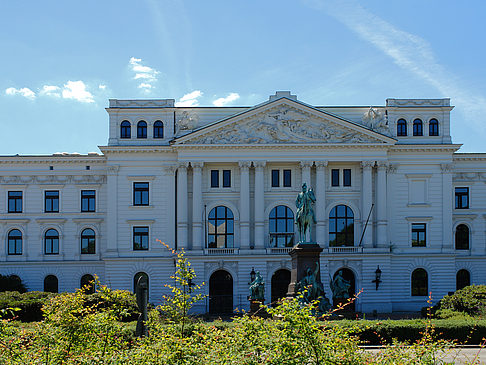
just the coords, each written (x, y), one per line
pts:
(182, 164)
(367, 164)
(169, 169)
(113, 169)
(446, 167)
(306, 163)
(244, 164)
(321, 164)
(382, 165)
(259, 164)
(197, 164)
(392, 168)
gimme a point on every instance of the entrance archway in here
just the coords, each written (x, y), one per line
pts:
(347, 275)
(280, 285)
(220, 292)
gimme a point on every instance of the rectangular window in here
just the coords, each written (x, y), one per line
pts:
(140, 193)
(275, 178)
(51, 201)
(88, 200)
(335, 177)
(226, 178)
(140, 238)
(215, 178)
(462, 198)
(287, 178)
(347, 177)
(15, 202)
(418, 235)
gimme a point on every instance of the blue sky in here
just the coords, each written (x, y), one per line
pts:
(62, 60)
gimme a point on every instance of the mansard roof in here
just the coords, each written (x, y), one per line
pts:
(283, 120)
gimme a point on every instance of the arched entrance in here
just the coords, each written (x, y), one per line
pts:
(220, 292)
(347, 278)
(280, 285)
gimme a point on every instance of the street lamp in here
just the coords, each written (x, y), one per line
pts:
(377, 280)
(252, 275)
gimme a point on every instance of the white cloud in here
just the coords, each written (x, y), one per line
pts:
(145, 74)
(190, 99)
(408, 51)
(76, 90)
(102, 87)
(227, 100)
(50, 90)
(25, 92)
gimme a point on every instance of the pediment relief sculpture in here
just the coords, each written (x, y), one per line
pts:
(283, 124)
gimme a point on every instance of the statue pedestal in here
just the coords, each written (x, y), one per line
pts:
(256, 310)
(304, 256)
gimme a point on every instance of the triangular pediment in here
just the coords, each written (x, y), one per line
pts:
(283, 121)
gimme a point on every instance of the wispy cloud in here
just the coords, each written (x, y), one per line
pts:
(409, 51)
(146, 75)
(190, 99)
(25, 92)
(50, 90)
(227, 100)
(73, 90)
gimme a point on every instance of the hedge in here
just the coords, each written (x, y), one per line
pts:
(470, 332)
(30, 304)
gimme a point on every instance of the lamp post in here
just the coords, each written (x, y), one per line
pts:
(252, 275)
(377, 280)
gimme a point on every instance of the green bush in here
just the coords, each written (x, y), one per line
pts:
(11, 283)
(470, 300)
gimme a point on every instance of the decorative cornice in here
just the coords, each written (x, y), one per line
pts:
(419, 218)
(141, 177)
(136, 149)
(53, 159)
(88, 220)
(15, 220)
(53, 179)
(140, 221)
(425, 147)
(140, 103)
(328, 147)
(51, 220)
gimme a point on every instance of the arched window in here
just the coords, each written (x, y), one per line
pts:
(221, 227)
(142, 129)
(418, 128)
(51, 284)
(158, 129)
(125, 129)
(402, 127)
(137, 276)
(88, 241)
(420, 283)
(341, 226)
(462, 237)
(51, 242)
(281, 227)
(463, 279)
(87, 284)
(433, 127)
(15, 242)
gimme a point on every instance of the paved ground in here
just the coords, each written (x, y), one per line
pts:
(465, 355)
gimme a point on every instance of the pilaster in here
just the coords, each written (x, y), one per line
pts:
(182, 205)
(380, 197)
(447, 204)
(112, 218)
(259, 204)
(244, 204)
(366, 197)
(320, 206)
(197, 239)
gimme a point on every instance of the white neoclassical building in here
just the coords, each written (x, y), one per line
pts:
(392, 195)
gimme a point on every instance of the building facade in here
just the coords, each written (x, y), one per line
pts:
(393, 195)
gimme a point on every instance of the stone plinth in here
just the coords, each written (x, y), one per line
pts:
(304, 256)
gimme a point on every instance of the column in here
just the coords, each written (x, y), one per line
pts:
(259, 204)
(182, 205)
(380, 197)
(112, 211)
(447, 204)
(306, 174)
(168, 235)
(244, 204)
(320, 206)
(197, 239)
(366, 198)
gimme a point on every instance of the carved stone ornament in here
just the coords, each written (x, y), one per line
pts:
(283, 124)
(376, 120)
(446, 167)
(188, 120)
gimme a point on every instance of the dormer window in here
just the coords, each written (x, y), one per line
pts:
(158, 129)
(433, 127)
(125, 129)
(401, 127)
(418, 128)
(142, 129)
